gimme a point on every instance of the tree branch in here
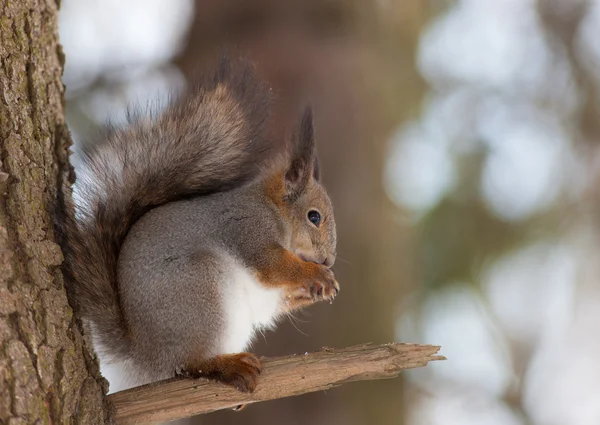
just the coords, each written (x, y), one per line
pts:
(281, 377)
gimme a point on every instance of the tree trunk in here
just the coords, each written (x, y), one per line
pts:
(47, 374)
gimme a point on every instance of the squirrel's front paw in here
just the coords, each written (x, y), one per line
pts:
(325, 288)
(321, 287)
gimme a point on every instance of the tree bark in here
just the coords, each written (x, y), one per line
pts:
(47, 374)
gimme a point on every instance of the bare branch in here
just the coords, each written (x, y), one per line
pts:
(281, 377)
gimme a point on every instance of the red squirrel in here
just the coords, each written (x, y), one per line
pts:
(189, 233)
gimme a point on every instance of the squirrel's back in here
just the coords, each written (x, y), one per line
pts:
(211, 140)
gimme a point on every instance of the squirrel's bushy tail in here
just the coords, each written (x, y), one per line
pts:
(211, 140)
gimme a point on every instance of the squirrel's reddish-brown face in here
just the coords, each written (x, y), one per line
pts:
(314, 232)
(313, 225)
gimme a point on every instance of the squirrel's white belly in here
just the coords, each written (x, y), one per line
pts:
(249, 307)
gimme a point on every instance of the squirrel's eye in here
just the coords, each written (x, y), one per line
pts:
(314, 217)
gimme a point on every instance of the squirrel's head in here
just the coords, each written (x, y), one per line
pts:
(306, 201)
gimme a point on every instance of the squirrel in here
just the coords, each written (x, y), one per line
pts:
(189, 233)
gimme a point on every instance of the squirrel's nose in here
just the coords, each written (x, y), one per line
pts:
(329, 260)
(326, 260)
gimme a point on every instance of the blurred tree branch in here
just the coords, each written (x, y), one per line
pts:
(281, 377)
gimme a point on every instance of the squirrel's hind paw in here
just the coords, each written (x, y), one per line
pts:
(239, 370)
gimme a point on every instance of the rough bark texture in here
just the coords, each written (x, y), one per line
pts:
(280, 377)
(44, 364)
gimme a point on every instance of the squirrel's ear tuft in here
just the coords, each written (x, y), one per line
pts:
(316, 169)
(303, 161)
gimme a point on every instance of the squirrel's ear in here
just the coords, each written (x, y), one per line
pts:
(303, 162)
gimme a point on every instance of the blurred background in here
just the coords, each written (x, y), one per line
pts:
(460, 142)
